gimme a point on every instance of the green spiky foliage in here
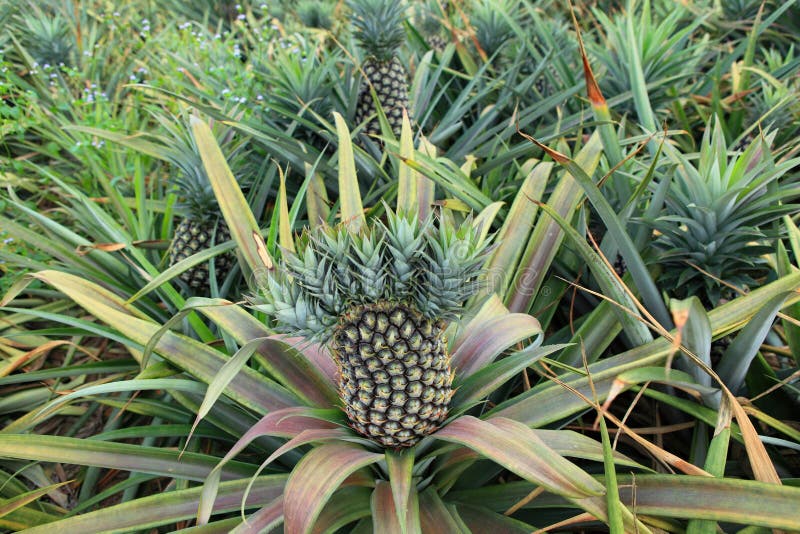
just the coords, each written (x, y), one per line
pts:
(302, 78)
(314, 14)
(380, 299)
(48, 38)
(718, 217)
(492, 29)
(775, 102)
(428, 17)
(378, 29)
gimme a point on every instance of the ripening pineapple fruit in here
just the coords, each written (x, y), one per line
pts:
(202, 225)
(380, 299)
(201, 228)
(378, 28)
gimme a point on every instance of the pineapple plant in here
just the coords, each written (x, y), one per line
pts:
(378, 29)
(718, 218)
(380, 299)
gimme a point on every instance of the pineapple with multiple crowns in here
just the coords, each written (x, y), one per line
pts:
(380, 298)
(378, 28)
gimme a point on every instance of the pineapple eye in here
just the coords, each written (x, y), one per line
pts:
(386, 356)
(380, 377)
(364, 396)
(426, 411)
(409, 421)
(351, 333)
(413, 406)
(428, 394)
(398, 382)
(401, 348)
(366, 385)
(369, 320)
(398, 398)
(377, 418)
(382, 322)
(394, 413)
(406, 329)
(372, 364)
(428, 376)
(392, 335)
(414, 389)
(412, 358)
(395, 368)
(392, 427)
(380, 404)
(364, 332)
(383, 391)
(414, 373)
(415, 341)
(397, 317)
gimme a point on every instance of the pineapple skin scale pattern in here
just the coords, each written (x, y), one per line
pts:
(395, 377)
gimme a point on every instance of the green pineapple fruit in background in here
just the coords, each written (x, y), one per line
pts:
(380, 299)
(718, 217)
(378, 28)
(428, 17)
(202, 225)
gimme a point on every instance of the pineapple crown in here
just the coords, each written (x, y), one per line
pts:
(433, 266)
(378, 26)
(718, 216)
(315, 14)
(191, 183)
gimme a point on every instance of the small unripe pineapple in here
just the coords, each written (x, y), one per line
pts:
(380, 299)
(378, 28)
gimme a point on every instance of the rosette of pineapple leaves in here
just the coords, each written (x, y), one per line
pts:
(719, 217)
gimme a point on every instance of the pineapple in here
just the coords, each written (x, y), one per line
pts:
(378, 28)
(380, 299)
(202, 225)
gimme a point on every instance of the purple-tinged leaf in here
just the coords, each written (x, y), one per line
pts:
(303, 368)
(349, 504)
(488, 339)
(308, 371)
(400, 466)
(486, 380)
(288, 422)
(264, 520)
(320, 356)
(484, 520)
(517, 448)
(165, 508)
(248, 388)
(436, 518)
(386, 518)
(316, 477)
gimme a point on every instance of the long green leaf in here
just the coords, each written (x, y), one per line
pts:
(232, 202)
(746, 502)
(166, 508)
(349, 192)
(400, 465)
(127, 457)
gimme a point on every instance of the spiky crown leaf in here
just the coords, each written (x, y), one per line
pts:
(718, 216)
(432, 266)
(378, 26)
